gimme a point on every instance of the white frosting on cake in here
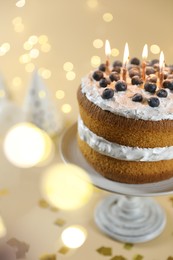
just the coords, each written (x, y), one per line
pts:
(122, 104)
(122, 152)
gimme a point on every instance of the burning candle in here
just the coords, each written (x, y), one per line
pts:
(125, 60)
(108, 53)
(144, 57)
(161, 66)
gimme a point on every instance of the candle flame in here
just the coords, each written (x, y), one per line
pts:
(107, 48)
(161, 60)
(145, 52)
(126, 54)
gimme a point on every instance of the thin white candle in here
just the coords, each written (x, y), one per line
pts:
(108, 53)
(144, 57)
(125, 60)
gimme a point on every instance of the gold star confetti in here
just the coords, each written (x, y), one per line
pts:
(4, 192)
(138, 257)
(128, 246)
(54, 209)
(63, 250)
(43, 203)
(105, 251)
(22, 247)
(171, 199)
(48, 257)
(59, 222)
(118, 257)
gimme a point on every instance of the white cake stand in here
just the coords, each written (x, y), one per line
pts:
(132, 218)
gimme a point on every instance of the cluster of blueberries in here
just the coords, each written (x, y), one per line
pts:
(134, 72)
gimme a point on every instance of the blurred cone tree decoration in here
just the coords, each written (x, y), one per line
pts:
(10, 113)
(39, 108)
(4, 95)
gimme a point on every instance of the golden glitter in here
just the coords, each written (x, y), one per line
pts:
(42, 39)
(66, 108)
(17, 20)
(95, 61)
(20, 3)
(92, 3)
(45, 47)
(68, 66)
(46, 74)
(98, 43)
(2, 93)
(34, 53)
(107, 17)
(70, 75)
(33, 39)
(29, 67)
(42, 94)
(115, 52)
(17, 81)
(155, 49)
(60, 94)
(25, 58)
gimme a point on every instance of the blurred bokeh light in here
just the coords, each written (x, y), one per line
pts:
(74, 236)
(26, 145)
(3, 230)
(66, 186)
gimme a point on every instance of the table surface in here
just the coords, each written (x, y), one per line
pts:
(32, 222)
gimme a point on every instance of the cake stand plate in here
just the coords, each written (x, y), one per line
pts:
(125, 218)
(70, 153)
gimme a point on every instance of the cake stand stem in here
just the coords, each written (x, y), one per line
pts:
(130, 219)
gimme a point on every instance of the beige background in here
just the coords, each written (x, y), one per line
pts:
(71, 28)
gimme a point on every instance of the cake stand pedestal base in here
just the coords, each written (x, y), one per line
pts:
(130, 219)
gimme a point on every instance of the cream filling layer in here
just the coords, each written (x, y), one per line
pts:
(122, 152)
